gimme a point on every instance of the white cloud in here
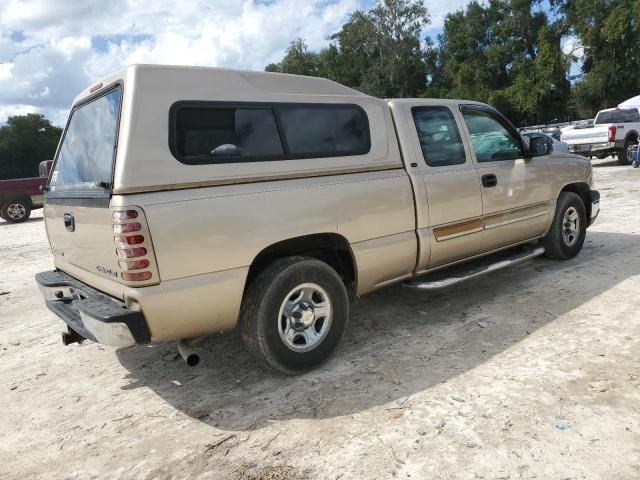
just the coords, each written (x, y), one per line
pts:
(438, 10)
(5, 70)
(52, 49)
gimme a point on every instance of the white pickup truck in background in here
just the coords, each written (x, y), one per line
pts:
(612, 132)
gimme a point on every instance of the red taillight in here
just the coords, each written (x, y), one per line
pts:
(136, 276)
(131, 252)
(121, 215)
(130, 240)
(133, 264)
(127, 227)
(136, 262)
(612, 133)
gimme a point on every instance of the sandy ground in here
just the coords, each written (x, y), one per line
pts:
(533, 372)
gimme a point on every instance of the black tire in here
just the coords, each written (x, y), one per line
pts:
(623, 155)
(261, 324)
(559, 244)
(17, 210)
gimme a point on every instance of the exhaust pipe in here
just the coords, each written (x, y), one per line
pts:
(189, 355)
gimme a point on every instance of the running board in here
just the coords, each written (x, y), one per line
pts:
(476, 271)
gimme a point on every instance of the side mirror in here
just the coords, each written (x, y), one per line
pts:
(538, 146)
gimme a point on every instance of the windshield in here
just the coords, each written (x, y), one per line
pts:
(618, 116)
(85, 160)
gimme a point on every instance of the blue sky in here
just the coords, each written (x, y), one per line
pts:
(52, 49)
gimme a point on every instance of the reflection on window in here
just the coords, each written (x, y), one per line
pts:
(439, 136)
(490, 140)
(85, 161)
(206, 133)
(325, 129)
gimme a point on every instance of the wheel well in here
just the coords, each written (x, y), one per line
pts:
(331, 248)
(632, 135)
(583, 190)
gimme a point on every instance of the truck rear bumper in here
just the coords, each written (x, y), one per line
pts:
(592, 148)
(92, 314)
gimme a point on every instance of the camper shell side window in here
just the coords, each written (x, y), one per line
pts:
(223, 132)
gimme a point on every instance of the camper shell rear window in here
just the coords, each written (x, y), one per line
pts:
(84, 163)
(222, 132)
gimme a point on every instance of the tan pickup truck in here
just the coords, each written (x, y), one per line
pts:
(187, 201)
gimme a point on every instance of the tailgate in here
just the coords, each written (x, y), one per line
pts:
(82, 236)
(586, 135)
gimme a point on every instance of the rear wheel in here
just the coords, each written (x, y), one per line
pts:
(624, 156)
(569, 228)
(15, 211)
(294, 314)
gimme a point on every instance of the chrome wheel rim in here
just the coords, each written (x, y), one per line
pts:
(571, 227)
(16, 211)
(630, 154)
(304, 318)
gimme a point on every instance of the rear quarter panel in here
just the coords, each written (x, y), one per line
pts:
(22, 187)
(205, 239)
(203, 230)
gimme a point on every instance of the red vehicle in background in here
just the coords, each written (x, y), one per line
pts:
(21, 195)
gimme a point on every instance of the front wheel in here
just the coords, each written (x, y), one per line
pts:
(569, 228)
(294, 313)
(15, 211)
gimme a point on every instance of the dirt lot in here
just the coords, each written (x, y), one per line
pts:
(531, 373)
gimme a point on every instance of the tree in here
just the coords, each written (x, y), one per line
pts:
(608, 32)
(25, 141)
(505, 53)
(378, 51)
(298, 60)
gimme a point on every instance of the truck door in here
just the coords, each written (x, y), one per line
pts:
(515, 189)
(448, 197)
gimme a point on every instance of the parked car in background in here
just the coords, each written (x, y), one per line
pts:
(552, 144)
(189, 201)
(19, 196)
(612, 132)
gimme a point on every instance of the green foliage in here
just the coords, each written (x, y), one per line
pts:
(25, 141)
(378, 51)
(608, 31)
(504, 52)
(298, 61)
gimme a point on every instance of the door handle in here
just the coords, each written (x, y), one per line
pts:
(489, 180)
(69, 222)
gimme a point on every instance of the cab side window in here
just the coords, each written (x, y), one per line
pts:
(439, 136)
(489, 137)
